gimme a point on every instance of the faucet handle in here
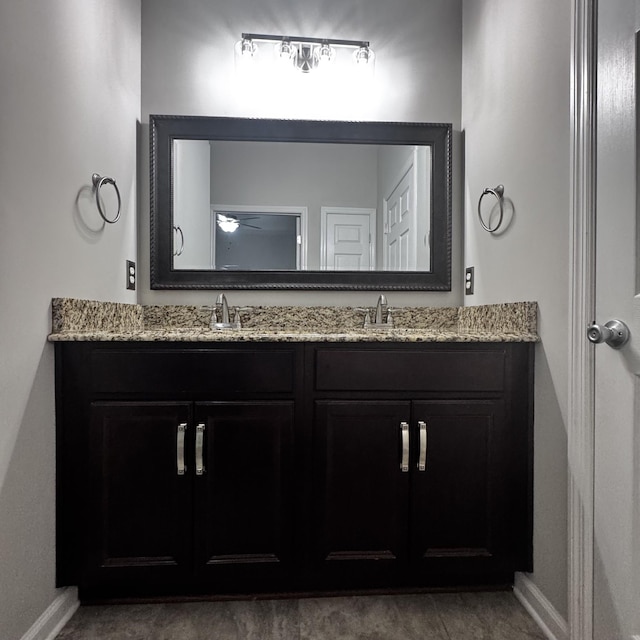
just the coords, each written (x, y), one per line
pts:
(237, 322)
(366, 319)
(214, 314)
(389, 318)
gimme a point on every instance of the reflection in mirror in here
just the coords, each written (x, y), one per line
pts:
(248, 203)
(368, 204)
(260, 241)
(250, 238)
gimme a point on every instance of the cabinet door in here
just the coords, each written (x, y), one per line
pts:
(139, 505)
(464, 504)
(360, 493)
(244, 495)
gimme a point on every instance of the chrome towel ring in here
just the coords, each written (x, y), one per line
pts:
(98, 182)
(498, 194)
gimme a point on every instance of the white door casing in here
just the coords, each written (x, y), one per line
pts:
(347, 239)
(580, 421)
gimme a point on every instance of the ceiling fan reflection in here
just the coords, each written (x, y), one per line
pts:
(229, 224)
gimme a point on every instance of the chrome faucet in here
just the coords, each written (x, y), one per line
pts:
(221, 316)
(381, 315)
(222, 309)
(382, 303)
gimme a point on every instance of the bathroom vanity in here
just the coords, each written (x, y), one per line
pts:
(247, 463)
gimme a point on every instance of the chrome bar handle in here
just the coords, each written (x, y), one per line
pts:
(422, 455)
(181, 467)
(199, 449)
(404, 463)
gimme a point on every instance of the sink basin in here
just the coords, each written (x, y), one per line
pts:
(378, 326)
(220, 326)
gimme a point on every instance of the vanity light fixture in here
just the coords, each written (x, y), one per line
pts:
(305, 54)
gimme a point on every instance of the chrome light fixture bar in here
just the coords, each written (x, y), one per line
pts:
(306, 54)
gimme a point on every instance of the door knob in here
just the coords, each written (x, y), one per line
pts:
(615, 333)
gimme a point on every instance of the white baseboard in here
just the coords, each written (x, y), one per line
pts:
(551, 623)
(57, 614)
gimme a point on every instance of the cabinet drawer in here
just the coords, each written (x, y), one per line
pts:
(472, 369)
(194, 371)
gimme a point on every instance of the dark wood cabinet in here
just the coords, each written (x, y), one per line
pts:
(176, 468)
(233, 468)
(244, 495)
(360, 500)
(138, 510)
(463, 527)
(183, 494)
(422, 465)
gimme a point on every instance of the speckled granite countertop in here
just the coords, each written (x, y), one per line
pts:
(89, 320)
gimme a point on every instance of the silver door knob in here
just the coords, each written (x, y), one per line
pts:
(615, 333)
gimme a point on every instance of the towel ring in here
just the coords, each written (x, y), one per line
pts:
(178, 231)
(98, 181)
(498, 193)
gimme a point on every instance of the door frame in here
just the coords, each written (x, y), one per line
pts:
(581, 401)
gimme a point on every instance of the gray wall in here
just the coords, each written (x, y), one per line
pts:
(515, 109)
(69, 100)
(188, 68)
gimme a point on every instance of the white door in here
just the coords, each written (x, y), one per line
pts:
(616, 553)
(347, 239)
(400, 223)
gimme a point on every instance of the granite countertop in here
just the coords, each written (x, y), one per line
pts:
(89, 320)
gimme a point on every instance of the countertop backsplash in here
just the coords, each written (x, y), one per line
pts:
(74, 320)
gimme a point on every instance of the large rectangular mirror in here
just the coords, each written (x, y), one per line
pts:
(260, 204)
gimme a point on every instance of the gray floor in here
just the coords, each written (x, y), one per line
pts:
(460, 616)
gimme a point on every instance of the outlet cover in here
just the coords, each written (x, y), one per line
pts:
(469, 280)
(131, 275)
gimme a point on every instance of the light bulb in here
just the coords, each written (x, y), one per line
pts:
(324, 54)
(245, 56)
(364, 56)
(248, 48)
(364, 60)
(285, 51)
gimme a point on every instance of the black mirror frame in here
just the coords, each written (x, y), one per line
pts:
(164, 129)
